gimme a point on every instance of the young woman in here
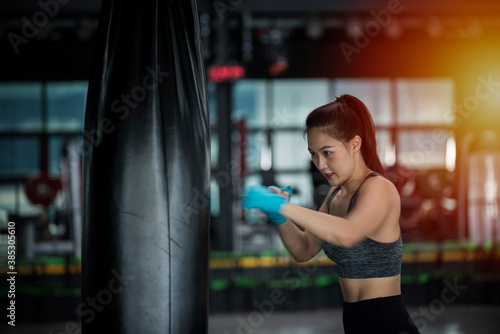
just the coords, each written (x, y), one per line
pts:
(358, 223)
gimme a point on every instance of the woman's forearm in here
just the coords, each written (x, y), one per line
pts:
(335, 230)
(296, 241)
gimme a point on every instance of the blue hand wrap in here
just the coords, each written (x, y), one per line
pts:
(260, 197)
(277, 218)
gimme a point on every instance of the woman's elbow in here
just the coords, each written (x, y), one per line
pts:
(304, 256)
(346, 241)
(350, 243)
(301, 258)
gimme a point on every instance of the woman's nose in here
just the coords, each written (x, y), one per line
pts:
(322, 163)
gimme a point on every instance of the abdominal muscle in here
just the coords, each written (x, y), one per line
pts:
(358, 289)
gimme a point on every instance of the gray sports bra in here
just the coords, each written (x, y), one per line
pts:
(369, 258)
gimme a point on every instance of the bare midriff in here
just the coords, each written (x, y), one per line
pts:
(358, 289)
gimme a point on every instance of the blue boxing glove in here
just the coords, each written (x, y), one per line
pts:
(260, 197)
(275, 217)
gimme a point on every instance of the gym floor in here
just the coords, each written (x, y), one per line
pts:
(452, 319)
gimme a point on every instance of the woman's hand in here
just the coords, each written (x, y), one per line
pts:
(285, 192)
(265, 199)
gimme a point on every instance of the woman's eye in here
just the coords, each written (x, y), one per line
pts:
(328, 153)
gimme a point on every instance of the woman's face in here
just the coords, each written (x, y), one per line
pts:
(331, 156)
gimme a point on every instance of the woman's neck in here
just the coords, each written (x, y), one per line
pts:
(355, 181)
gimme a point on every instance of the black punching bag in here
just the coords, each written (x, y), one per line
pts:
(146, 173)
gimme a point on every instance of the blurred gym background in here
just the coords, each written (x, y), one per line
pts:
(429, 71)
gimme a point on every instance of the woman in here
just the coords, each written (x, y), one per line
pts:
(358, 223)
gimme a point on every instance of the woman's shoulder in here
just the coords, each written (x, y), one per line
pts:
(378, 185)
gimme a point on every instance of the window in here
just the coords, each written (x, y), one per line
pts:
(249, 102)
(423, 149)
(21, 106)
(66, 103)
(29, 113)
(20, 155)
(375, 94)
(293, 99)
(425, 101)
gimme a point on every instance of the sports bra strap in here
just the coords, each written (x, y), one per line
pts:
(331, 198)
(354, 196)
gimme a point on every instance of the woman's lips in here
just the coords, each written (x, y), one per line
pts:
(329, 176)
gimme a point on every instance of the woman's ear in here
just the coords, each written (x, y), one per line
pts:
(356, 143)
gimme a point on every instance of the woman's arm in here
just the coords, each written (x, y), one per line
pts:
(302, 245)
(376, 203)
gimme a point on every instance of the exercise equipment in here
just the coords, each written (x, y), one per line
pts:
(146, 173)
(432, 183)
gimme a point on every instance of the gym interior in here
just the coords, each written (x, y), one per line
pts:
(428, 71)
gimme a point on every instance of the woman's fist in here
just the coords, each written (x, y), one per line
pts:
(268, 200)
